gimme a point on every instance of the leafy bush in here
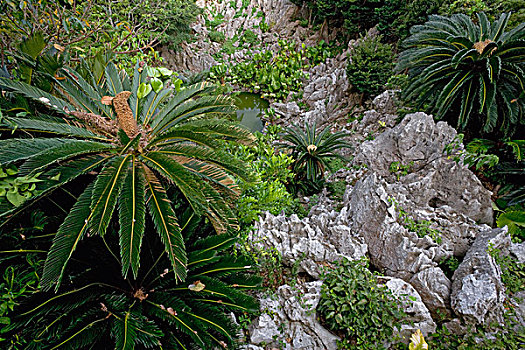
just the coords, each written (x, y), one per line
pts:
(312, 152)
(272, 172)
(87, 28)
(370, 65)
(127, 154)
(274, 75)
(355, 306)
(470, 73)
(393, 18)
(99, 309)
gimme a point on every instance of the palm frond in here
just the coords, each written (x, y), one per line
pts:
(132, 211)
(166, 224)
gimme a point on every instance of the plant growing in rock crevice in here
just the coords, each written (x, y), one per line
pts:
(354, 305)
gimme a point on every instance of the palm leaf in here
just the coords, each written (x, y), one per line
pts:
(165, 221)
(131, 217)
(66, 240)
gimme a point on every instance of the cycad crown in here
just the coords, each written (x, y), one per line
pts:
(469, 72)
(164, 138)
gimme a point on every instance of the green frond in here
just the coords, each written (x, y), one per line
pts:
(181, 97)
(113, 80)
(132, 211)
(216, 157)
(192, 109)
(12, 150)
(166, 224)
(36, 94)
(124, 332)
(92, 91)
(175, 172)
(41, 126)
(64, 151)
(66, 240)
(105, 192)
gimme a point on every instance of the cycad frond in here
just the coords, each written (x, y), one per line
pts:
(105, 192)
(66, 240)
(132, 210)
(166, 224)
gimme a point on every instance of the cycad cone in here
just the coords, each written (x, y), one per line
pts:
(124, 114)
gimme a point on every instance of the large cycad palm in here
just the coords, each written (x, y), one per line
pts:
(135, 148)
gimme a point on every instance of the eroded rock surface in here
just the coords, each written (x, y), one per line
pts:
(288, 318)
(477, 291)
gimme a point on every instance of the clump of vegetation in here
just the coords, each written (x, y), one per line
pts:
(272, 172)
(421, 227)
(370, 65)
(468, 72)
(274, 75)
(400, 169)
(352, 304)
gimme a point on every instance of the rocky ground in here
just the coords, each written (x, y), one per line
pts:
(369, 221)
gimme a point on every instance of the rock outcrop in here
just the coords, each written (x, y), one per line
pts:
(477, 291)
(288, 320)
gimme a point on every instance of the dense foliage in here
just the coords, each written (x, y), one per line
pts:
(370, 65)
(97, 308)
(273, 74)
(470, 74)
(88, 28)
(355, 306)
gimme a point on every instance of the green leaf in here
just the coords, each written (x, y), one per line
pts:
(105, 192)
(143, 90)
(66, 240)
(131, 217)
(15, 198)
(156, 84)
(165, 220)
(165, 71)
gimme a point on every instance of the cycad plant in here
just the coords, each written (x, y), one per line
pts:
(98, 309)
(129, 139)
(469, 73)
(312, 151)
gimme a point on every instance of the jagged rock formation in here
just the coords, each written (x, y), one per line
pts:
(289, 320)
(373, 222)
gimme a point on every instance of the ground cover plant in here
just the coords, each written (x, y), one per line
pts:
(275, 75)
(355, 306)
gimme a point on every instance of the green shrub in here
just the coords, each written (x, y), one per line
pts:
(217, 36)
(370, 65)
(471, 74)
(352, 304)
(272, 172)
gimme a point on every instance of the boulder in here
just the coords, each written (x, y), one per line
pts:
(288, 320)
(477, 290)
(418, 316)
(307, 243)
(433, 180)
